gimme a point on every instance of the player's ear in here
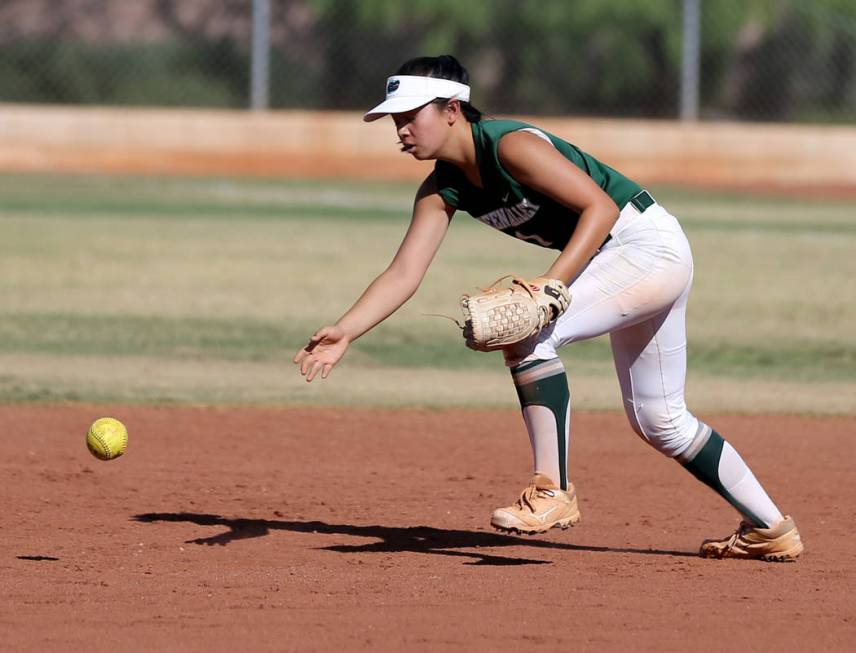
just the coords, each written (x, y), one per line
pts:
(453, 111)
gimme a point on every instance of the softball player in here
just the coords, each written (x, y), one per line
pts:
(629, 268)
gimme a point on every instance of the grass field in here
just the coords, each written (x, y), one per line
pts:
(200, 291)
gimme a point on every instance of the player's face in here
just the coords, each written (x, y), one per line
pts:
(422, 131)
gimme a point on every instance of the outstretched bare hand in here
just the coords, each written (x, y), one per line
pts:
(324, 349)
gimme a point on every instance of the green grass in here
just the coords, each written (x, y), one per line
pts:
(193, 339)
(200, 290)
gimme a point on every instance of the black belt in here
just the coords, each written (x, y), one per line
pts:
(642, 200)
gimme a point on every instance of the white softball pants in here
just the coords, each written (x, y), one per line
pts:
(635, 289)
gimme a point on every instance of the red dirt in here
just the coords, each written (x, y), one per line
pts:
(311, 529)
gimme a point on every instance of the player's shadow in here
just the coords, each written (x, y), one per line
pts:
(390, 539)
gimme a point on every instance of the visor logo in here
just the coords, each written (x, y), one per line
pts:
(393, 85)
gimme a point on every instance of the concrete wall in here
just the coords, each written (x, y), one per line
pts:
(295, 143)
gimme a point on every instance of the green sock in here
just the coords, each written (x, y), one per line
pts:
(542, 388)
(710, 458)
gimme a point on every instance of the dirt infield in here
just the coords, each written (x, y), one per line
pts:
(298, 529)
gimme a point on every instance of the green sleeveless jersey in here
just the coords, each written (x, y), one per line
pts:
(515, 209)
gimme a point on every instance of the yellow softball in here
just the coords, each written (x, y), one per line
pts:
(107, 438)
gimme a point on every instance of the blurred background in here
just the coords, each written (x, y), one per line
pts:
(187, 191)
(767, 60)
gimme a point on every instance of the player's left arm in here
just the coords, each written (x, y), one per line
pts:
(535, 163)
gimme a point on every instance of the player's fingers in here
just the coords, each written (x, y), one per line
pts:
(313, 370)
(314, 340)
(320, 334)
(325, 371)
(305, 365)
(306, 351)
(305, 368)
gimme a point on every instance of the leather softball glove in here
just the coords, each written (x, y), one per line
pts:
(501, 316)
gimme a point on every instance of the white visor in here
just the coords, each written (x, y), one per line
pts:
(406, 92)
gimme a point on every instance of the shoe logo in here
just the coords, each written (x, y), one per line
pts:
(543, 516)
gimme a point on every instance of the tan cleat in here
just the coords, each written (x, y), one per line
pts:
(541, 506)
(780, 543)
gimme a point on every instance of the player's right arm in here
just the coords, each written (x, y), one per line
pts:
(392, 288)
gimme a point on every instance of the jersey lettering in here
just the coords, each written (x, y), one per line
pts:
(547, 223)
(506, 217)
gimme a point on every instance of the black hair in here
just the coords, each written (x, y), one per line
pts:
(442, 67)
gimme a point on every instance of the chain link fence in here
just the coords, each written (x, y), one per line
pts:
(772, 60)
